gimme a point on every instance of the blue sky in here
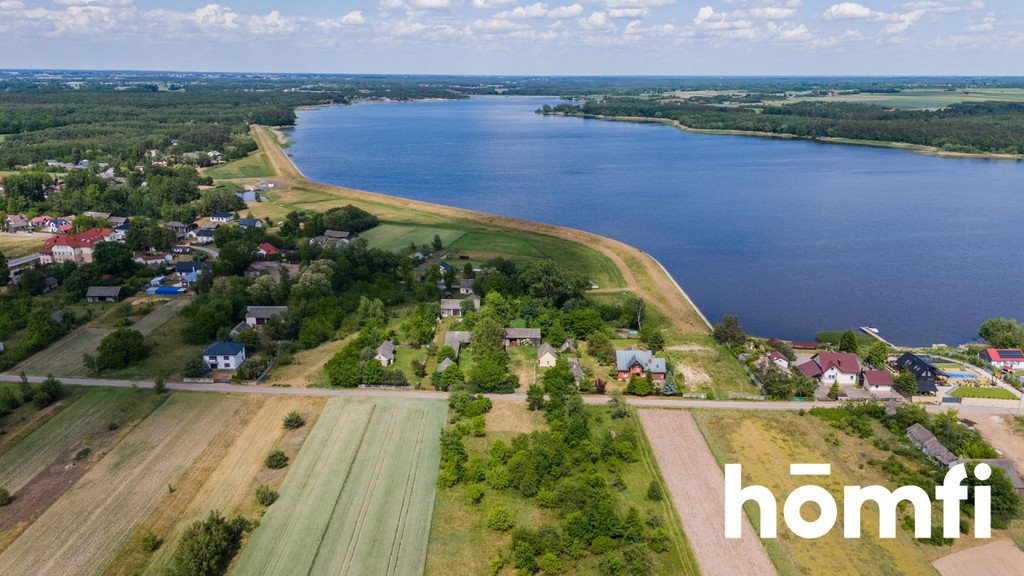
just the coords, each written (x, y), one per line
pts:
(675, 37)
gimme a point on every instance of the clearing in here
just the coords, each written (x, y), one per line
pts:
(252, 166)
(358, 498)
(696, 484)
(120, 490)
(398, 237)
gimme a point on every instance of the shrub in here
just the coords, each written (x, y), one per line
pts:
(475, 493)
(5, 497)
(207, 546)
(159, 385)
(149, 542)
(617, 407)
(276, 460)
(49, 392)
(498, 477)
(265, 495)
(500, 518)
(195, 367)
(601, 545)
(654, 491)
(121, 348)
(294, 420)
(549, 563)
(83, 453)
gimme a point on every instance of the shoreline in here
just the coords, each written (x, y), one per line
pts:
(912, 148)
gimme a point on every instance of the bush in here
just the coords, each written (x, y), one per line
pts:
(195, 367)
(294, 420)
(149, 542)
(49, 392)
(276, 460)
(617, 406)
(602, 545)
(475, 493)
(120, 349)
(654, 491)
(207, 546)
(159, 385)
(265, 495)
(5, 497)
(500, 518)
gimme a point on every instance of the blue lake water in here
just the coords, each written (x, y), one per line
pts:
(794, 237)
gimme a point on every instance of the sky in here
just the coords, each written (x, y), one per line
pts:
(521, 37)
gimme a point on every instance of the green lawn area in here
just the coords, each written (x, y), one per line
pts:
(403, 361)
(991, 393)
(252, 166)
(398, 237)
(17, 245)
(833, 338)
(500, 243)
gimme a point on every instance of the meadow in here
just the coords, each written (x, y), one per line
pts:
(252, 166)
(17, 245)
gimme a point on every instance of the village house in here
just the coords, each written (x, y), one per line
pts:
(266, 249)
(273, 269)
(120, 232)
(180, 229)
(832, 368)
(576, 369)
(181, 249)
(876, 381)
(222, 217)
(457, 339)
(104, 294)
(923, 439)
(773, 358)
(466, 286)
(17, 223)
(203, 235)
(385, 353)
(332, 239)
(50, 284)
(117, 220)
(153, 259)
(1005, 359)
(224, 355)
(443, 365)
(247, 223)
(522, 337)
(190, 266)
(926, 373)
(546, 355)
(259, 315)
(452, 307)
(568, 346)
(73, 247)
(630, 362)
(39, 221)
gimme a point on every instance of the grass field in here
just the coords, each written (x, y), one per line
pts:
(923, 98)
(116, 494)
(398, 237)
(991, 393)
(252, 166)
(63, 358)
(17, 245)
(358, 497)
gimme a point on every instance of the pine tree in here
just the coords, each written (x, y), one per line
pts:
(848, 343)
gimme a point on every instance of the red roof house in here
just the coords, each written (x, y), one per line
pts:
(267, 249)
(74, 247)
(832, 367)
(876, 381)
(1008, 359)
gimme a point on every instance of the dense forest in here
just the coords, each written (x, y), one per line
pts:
(991, 127)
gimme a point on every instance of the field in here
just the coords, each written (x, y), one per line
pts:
(696, 484)
(63, 358)
(398, 237)
(1001, 558)
(923, 98)
(17, 245)
(358, 497)
(252, 166)
(119, 491)
(990, 392)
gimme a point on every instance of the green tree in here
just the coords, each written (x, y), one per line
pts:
(450, 378)
(275, 460)
(120, 349)
(159, 384)
(638, 386)
(654, 339)
(113, 258)
(600, 347)
(265, 495)
(617, 406)
(906, 383)
(1002, 333)
(729, 332)
(49, 392)
(436, 243)
(654, 491)
(849, 343)
(535, 397)
(488, 334)
(373, 372)
(500, 518)
(777, 385)
(878, 355)
(207, 546)
(5, 497)
(195, 367)
(5, 272)
(294, 420)
(833, 392)
(669, 388)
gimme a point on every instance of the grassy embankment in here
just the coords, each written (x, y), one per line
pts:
(613, 266)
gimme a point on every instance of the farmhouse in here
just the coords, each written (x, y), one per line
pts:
(1006, 359)
(546, 355)
(631, 362)
(266, 249)
(385, 353)
(452, 307)
(224, 355)
(332, 238)
(17, 223)
(466, 286)
(247, 223)
(259, 315)
(876, 381)
(153, 259)
(522, 337)
(104, 293)
(832, 368)
(73, 247)
(773, 358)
(180, 229)
(921, 367)
(922, 438)
(457, 339)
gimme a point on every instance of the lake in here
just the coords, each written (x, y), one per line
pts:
(794, 237)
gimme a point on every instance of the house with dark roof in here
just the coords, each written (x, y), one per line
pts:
(923, 369)
(466, 286)
(104, 293)
(522, 337)
(203, 235)
(876, 381)
(640, 363)
(922, 438)
(546, 355)
(222, 217)
(457, 339)
(385, 353)
(832, 368)
(259, 315)
(192, 266)
(568, 346)
(247, 223)
(224, 355)
(576, 369)
(1005, 359)
(443, 365)
(452, 307)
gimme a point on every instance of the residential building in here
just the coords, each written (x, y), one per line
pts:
(923, 369)
(17, 223)
(259, 315)
(189, 266)
(120, 232)
(522, 337)
(97, 215)
(443, 364)
(832, 368)
(246, 223)
(104, 293)
(385, 353)
(546, 355)
(452, 307)
(1005, 359)
(266, 249)
(153, 259)
(180, 229)
(630, 362)
(876, 381)
(224, 355)
(773, 358)
(39, 221)
(576, 369)
(181, 249)
(203, 235)
(222, 217)
(457, 339)
(466, 286)
(568, 346)
(922, 438)
(73, 247)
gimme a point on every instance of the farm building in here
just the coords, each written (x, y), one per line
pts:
(332, 239)
(832, 368)
(224, 355)
(922, 438)
(1007, 467)
(457, 339)
(452, 307)
(153, 259)
(522, 337)
(104, 294)
(546, 355)
(259, 315)
(1006, 359)
(923, 369)
(631, 362)
(385, 353)
(876, 381)
(443, 365)
(17, 223)
(180, 229)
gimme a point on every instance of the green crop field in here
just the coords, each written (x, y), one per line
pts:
(252, 166)
(358, 498)
(990, 393)
(120, 490)
(398, 237)
(63, 358)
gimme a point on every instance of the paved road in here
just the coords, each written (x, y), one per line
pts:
(433, 395)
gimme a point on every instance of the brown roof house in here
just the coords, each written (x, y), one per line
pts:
(930, 445)
(832, 368)
(522, 337)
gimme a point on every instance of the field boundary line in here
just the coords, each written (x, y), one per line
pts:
(410, 483)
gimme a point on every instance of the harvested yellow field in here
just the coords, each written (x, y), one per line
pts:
(1001, 558)
(84, 529)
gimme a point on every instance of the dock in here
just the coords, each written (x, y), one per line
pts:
(876, 336)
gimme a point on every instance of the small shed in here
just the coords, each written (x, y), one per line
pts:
(104, 294)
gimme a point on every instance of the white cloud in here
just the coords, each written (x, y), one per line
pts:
(567, 11)
(851, 11)
(987, 24)
(831, 41)
(638, 3)
(537, 10)
(772, 13)
(11, 5)
(629, 12)
(271, 24)
(353, 18)
(431, 3)
(485, 4)
(215, 16)
(596, 21)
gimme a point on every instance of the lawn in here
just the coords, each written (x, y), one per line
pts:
(252, 166)
(398, 237)
(17, 245)
(991, 393)
(120, 490)
(358, 497)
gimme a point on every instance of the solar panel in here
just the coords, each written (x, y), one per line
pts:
(1011, 354)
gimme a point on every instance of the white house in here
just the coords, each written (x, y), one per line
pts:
(832, 368)
(385, 353)
(1006, 359)
(222, 217)
(546, 355)
(876, 381)
(224, 355)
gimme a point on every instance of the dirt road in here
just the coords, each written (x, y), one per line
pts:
(696, 484)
